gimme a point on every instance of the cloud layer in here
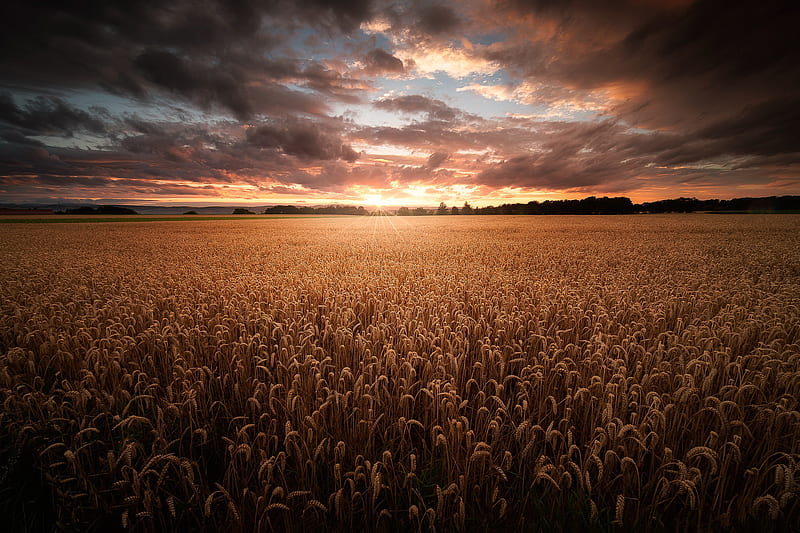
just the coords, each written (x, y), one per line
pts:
(414, 102)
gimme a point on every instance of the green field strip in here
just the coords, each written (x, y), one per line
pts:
(177, 218)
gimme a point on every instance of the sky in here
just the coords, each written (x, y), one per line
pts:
(401, 103)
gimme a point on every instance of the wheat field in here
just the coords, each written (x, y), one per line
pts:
(414, 374)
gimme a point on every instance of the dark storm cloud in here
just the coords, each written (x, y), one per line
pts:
(425, 21)
(716, 81)
(172, 146)
(712, 61)
(429, 172)
(346, 14)
(438, 19)
(570, 156)
(48, 189)
(14, 137)
(332, 83)
(276, 99)
(436, 159)
(379, 61)
(234, 88)
(523, 171)
(201, 25)
(214, 53)
(196, 153)
(727, 41)
(608, 156)
(424, 135)
(769, 131)
(770, 128)
(142, 126)
(47, 116)
(586, 13)
(415, 103)
(685, 64)
(502, 136)
(303, 139)
(200, 83)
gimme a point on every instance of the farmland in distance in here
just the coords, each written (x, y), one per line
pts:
(387, 373)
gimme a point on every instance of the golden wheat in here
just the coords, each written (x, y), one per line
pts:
(445, 375)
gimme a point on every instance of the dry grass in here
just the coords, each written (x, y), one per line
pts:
(434, 373)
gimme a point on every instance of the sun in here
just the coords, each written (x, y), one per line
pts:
(375, 200)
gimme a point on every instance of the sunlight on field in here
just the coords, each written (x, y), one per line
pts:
(403, 373)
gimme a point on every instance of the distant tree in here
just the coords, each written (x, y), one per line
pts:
(454, 210)
(101, 210)
(674, 205)
(622, 205)
(242, 211)
(282, 210)
(403, 212)
(587, 206)
(442, 210)
(190, 213)
(419, 211)
(308, 210)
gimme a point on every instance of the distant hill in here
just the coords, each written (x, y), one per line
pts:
(99, 210)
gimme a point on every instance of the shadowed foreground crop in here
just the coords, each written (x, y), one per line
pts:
(455, 373)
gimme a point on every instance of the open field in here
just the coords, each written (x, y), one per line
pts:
(85, 219)
(456, 373)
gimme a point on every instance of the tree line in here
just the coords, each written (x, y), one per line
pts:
(592, 205)
(617, 206)
(326, 210)
(765, 204)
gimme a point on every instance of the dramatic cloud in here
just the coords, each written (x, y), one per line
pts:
(379, 61)
(671, 63)
(302, 139)
(409, 101)
(434, 109)
(47, 116)
(202, 84)
(438, 19)
(436, 159)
